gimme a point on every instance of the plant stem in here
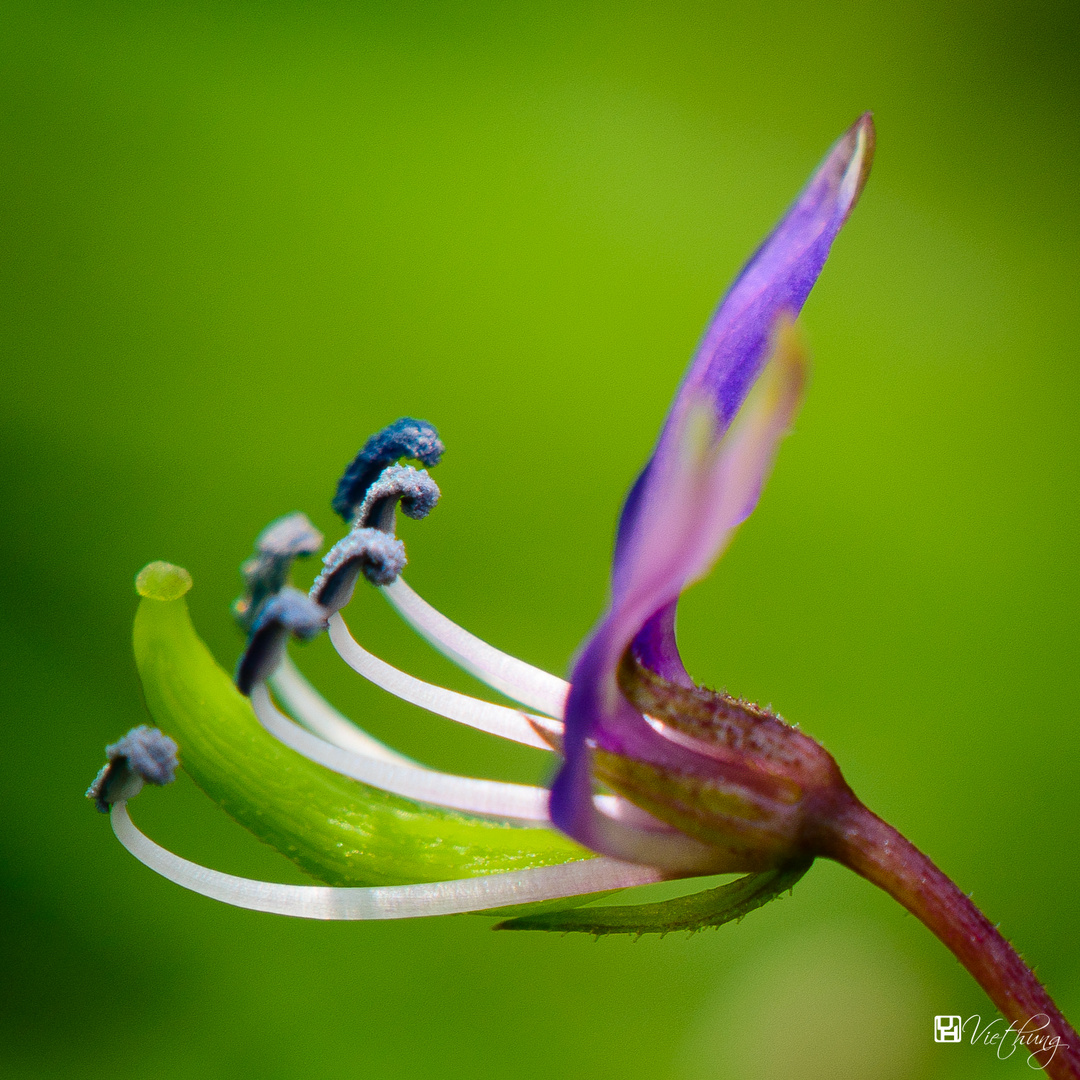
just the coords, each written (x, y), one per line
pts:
(849, 833)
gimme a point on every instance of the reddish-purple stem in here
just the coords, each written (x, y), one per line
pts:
(849, 833)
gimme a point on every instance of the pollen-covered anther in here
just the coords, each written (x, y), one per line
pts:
(378, 555)
(288, 612)
(412, 488)
(143, 755)
(291, 535)
(267, 571)
(404, 438)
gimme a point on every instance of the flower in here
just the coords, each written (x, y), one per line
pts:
(698, 782)
(703, 479)
(383, 830)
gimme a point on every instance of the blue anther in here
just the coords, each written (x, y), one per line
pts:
(404, 438)
(378, 555)
(293, 610)
(288, 612)
(143, 755)
(267, 571)
(412, 488)
(292, 535)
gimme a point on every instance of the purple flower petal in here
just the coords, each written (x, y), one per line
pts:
(706, 488)
(776, 280)
(703, 482)
(703, 479)
(780, 275)
(654, 646)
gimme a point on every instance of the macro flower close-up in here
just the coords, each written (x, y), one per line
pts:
(659, 778)
(539, 541)
(725, 790)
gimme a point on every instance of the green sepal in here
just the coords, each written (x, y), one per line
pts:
(699, 911)
(338, 830)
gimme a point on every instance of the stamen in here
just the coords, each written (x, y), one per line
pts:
(384, 902)
(413, 488)
(292, 536)
(289, 612)
(143, 755)
(267, 573)
(404, 438)
(510, 676)
(376, 554)
(492, 798)
(311, 709)
(482, 715)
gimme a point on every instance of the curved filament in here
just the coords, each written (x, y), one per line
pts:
(483, 715)
(522, 682)
(489, 797)
(383, 902)
(311, 709)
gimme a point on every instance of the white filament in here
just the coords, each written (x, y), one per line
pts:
(630, 832)
(510, 676)
(312, 710)
(430, 786)
(384, 902)
(483, 715)
(490, 797)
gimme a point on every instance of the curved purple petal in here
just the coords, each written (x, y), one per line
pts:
(776, 280)
(654, 646)
(703, 482)
(781, 273)
(706, 488)
(703, 479)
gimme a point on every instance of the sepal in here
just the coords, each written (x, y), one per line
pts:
(698, 911)
(746, 783)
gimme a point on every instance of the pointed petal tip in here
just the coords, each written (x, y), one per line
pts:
(860, 141)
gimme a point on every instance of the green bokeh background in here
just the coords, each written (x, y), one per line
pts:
(239, 237)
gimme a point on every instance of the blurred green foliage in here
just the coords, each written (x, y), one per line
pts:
(239, 237)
